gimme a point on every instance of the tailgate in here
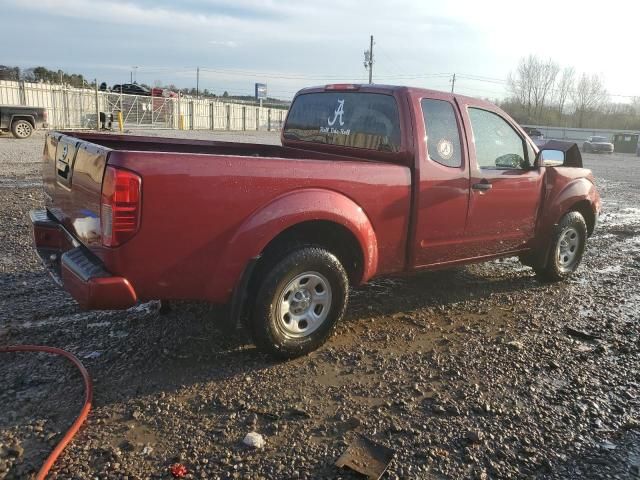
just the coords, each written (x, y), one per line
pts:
(72, 176)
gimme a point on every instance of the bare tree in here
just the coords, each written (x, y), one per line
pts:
(543, 84)
(520, 84)
(635, 103)
(564, 87)
(588, 94)
(532, 83)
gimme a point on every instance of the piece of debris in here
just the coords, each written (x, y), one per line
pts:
(254, 440)
(178, 470)
(366, 457)
(515, 345)
(581, 335)
(299, 412)
(474, 436)
(607, 445)
(92, 355)
(16, 451)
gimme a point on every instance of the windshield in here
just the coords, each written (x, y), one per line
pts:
(351, 119)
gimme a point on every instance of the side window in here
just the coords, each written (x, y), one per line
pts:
(443, 136)
(498, 146)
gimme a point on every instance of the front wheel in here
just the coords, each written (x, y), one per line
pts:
(567, 247)
(299, 302)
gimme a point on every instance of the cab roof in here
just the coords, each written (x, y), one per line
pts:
(391, 90)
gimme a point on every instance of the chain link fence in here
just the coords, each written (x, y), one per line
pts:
(78, 108)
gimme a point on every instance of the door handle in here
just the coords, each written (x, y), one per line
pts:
(484, 185)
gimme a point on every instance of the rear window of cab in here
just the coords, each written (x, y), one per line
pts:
(351, 119)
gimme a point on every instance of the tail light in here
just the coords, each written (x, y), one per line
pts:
(120, 206)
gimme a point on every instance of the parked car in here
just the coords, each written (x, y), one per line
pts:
(369, 181)
(535, 135)
(163, 92)
(597, 144)
(22, 121)
(131, 89)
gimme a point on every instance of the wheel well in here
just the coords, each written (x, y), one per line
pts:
(27, 118)
(584, 208)
(332, 236)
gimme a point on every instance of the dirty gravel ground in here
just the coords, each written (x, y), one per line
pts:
(465, 373)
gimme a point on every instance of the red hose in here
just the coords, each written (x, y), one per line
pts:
(88, 396)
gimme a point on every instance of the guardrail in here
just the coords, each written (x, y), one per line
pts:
(576, 134)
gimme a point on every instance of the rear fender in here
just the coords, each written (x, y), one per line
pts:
(288, 210)
(19, 116)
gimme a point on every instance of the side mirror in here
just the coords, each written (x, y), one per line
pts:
(557, 153)
(551, 158)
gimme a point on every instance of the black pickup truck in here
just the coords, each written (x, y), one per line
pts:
(22, 121)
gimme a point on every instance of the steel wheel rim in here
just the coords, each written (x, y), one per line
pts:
(568, 248)
(23, 129)
(303, 304)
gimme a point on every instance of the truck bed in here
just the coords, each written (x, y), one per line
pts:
(200, 198)
(206, 147)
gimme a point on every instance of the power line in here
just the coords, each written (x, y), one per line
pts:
(350, 77)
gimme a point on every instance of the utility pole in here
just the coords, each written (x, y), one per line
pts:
(453, 83)
(97, 107)
(371, 60)
(368, 60)
(197, 83)
(133, 74)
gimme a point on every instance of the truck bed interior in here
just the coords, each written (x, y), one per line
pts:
(182, 145)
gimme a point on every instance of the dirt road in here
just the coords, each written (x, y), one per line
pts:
(478, 372)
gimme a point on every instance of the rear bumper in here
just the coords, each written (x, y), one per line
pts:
(76, 269)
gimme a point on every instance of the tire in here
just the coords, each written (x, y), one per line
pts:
(21, 129)
(300, 300)
(567, 247)
(586, 148)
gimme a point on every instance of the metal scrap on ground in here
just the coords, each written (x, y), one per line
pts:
(367, 457)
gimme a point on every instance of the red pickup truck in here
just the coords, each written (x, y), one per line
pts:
(369, 181)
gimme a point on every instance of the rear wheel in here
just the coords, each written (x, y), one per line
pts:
(567, 247)
(21, 129)
(300, 300)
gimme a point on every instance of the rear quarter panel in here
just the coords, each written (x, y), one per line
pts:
(194, 207)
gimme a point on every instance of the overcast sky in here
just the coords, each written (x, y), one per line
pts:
(289, 44)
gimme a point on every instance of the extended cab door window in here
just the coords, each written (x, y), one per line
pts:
(498, 145)
(443, 135)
